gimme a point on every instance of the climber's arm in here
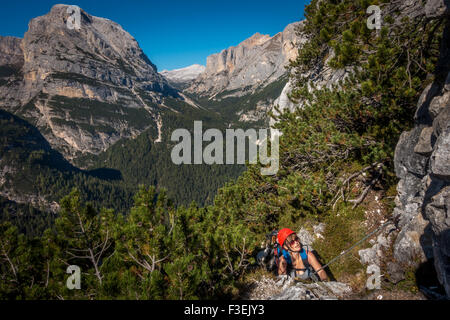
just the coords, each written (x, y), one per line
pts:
(282, 266)
(316, 265)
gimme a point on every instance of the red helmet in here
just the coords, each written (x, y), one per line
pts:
(283, 234)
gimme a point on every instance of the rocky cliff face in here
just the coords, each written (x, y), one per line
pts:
(11, 52)
(83, 88)
(422, 161)
(254, 63)
(323, 76)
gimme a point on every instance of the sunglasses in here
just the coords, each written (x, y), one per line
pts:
(291, 242)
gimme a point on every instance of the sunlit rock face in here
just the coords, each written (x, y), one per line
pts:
(255, 62)
(84, 88)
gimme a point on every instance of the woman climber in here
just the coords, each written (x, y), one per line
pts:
(296, 260)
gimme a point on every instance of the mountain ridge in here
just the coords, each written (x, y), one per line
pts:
(255, 62)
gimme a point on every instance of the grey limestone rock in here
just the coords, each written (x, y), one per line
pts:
(422, 162)
(285, 288)
(254, 63)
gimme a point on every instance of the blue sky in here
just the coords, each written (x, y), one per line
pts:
(173, 33)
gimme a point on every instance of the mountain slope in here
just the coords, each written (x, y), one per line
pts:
(140, 161)
(33, 173)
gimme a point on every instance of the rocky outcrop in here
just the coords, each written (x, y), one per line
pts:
(323, 76)
(437, 8)
(252, 64)
(257, 114)
(422, 162)
(286, 289)
(84, 88)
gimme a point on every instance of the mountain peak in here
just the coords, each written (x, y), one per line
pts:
(99, 39)
(184, 74)
(85, 87)
(256, 40)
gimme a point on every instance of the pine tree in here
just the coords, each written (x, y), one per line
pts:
(85, 238)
